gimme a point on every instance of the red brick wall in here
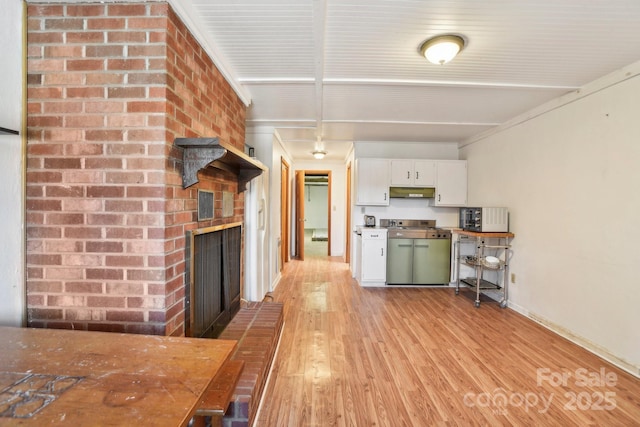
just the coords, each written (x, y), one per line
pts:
(109, 88)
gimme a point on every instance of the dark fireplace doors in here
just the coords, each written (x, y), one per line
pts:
(213, 279)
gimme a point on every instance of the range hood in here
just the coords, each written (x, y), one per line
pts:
(411, 193)
(200, 153)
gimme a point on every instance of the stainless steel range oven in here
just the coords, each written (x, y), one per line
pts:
(418, 253)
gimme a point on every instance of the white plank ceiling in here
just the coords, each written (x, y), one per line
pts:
(349, 70)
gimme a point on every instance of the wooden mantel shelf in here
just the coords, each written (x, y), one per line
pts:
(200, 153)
(81, 378)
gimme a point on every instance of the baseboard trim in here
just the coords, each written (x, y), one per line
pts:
(276, 281)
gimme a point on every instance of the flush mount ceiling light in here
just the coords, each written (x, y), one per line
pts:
(442, 49)
(319, 154)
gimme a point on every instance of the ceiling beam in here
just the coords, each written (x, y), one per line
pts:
(414, 122)
(446, 83)
(387, 82)
(319, 22)
(291, 123)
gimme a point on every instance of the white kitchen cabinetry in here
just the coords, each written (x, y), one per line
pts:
(373, 270)
(451, 183)
(372, 182)
(357, 265)
(413, 173)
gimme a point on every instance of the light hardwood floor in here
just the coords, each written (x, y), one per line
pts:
(352, 356)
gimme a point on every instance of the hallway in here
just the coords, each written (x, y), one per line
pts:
(353, 356)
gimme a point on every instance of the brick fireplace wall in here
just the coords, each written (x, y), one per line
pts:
(110, 86)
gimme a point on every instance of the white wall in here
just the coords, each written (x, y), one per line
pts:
(315, 206)
(406, 150)
(570, 174)
(269, 150)
(12, 290)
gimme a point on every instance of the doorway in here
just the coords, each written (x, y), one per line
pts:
(285, 208)
(347, 250)
(313, 213)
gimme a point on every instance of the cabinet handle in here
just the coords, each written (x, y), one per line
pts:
(438, 197)
(408, 175)
(417, 175)
(381, 251)
(385, 196)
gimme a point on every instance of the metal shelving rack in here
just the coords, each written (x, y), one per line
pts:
(484, 242)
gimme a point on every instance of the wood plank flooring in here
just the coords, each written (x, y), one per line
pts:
(353, 356)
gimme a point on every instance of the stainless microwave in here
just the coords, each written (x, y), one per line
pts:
(484, 220)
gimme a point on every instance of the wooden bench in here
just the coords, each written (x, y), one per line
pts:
(217, 397)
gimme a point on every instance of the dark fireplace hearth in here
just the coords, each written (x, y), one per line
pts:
(213, 277)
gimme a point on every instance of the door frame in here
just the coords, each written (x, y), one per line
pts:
(299, 215)
(285, 209)
(347, 240)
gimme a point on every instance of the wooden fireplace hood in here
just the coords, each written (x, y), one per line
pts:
(201, 153)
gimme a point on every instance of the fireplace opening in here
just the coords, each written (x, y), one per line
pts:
(213, 279)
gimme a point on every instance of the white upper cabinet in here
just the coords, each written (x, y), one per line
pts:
(375, 176)
(413, 173)
(401, 172)
(372, 182)
(451, 183)
(425, 173)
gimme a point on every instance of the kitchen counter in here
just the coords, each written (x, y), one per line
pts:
(80, 378)
(480, 234)
(360, 228)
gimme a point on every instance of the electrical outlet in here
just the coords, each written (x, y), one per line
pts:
(513, 277)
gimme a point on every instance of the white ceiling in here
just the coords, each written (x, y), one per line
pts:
(349, 70)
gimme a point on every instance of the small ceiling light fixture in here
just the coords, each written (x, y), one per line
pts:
(319, 154)
(442, 49)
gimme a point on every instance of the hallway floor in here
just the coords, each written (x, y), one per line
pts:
(314, 248)
(353, 356)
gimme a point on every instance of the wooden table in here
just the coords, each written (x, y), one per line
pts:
(80, 378)
(488, 234)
